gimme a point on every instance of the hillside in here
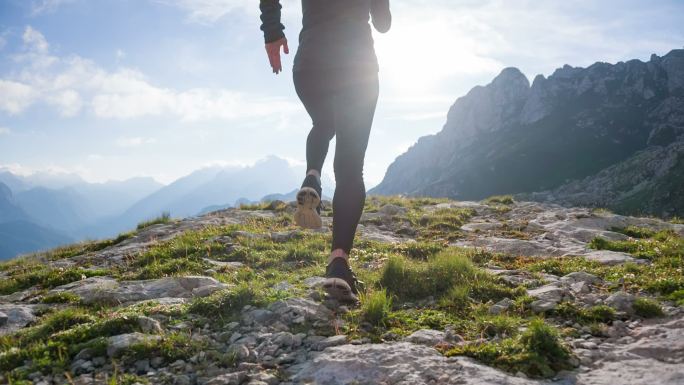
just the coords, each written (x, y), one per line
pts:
(493, 292)
(562, 135)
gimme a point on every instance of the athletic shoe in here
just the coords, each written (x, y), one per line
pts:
(308, 214)
(341, 283)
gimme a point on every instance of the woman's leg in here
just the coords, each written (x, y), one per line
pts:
(318, 101)
(355, 108)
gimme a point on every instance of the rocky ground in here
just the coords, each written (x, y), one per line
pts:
(493, 292)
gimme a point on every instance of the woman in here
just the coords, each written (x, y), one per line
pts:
(336, 78)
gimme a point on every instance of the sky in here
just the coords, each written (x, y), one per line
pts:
(113, 89)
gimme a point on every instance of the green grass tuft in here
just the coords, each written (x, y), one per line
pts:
(375, 307)
(647, 308)
(409, 279)
(164, 218)
(499, 200)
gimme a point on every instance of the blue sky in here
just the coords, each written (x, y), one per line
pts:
(112, 89)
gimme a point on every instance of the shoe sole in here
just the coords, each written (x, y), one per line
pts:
(306, 215)
(339, 289)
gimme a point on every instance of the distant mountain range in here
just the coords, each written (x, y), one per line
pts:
(18, 232)
(45, 210)
(610, 135)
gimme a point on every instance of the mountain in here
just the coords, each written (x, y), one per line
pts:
(63, 209)
(18, 232)
(214, 188)
(9, 210)
(548, 137)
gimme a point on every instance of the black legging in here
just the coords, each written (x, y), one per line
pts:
(342, 103)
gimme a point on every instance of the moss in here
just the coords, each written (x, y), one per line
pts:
(647, 308)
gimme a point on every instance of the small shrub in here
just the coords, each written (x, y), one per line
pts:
(375, 307)
(647, 308)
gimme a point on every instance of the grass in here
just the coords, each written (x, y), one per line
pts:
(277, 206)
(585, 316)
(45, 278)
(644, 244)
(677, 297)
(227, 304)
(407, 279)
(412, 286)
(499, 200)
(163, 218)
(538, 352)
(647, 308)
(375, 307)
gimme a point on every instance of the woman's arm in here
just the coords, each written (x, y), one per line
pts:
(273, 32)
(382, 17)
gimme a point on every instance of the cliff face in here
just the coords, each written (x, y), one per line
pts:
(510, 137)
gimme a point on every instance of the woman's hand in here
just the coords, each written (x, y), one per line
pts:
(273, 52)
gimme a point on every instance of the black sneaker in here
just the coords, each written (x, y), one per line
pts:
(341, 282)
(308, 214)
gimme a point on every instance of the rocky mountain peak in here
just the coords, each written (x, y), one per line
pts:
(673, 64)
(507, 137)
(485, 109)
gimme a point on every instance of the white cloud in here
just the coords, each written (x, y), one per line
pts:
(3, 42)
(210, 11)
(15, 96)
(73, 84)
(5, 131)
(45, 6)
(134, 141)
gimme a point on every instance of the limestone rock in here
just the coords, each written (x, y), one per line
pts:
(608, 257)
(228, 379)
(621, 301)
(117, 345)
(16, 317)
(501, 306)
(426, 337)
(401, 363)
(105, 290)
